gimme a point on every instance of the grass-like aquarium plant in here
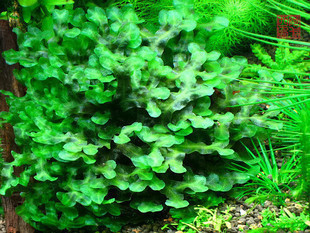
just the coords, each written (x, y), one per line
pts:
(273, 181)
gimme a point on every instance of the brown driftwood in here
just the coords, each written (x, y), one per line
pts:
(14, 223)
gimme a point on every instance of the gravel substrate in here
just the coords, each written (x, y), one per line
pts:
(244, 217)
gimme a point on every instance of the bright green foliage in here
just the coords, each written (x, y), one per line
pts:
(284, 221)
(194, 218)
(1, 163)
(292, 100)
(249, 16)
(206, 219)
(271, 183)
(34, 9)
(120, 120)
(290, 63)
(305, 160)
(27, 3)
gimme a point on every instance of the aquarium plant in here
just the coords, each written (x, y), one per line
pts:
(119, 121)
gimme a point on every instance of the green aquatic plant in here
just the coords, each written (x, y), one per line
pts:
(261, 15)
(285, 220)
(290, 97)
(201, 214)
(119, 121)
(246, 15)
(291, 7)
(147, 10)
(206, 218)
(269, 181)
(286, 61)
(304, 189)
(33, 9)
(282, 7)
(249, 20)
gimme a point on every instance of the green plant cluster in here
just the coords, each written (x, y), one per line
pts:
(272, 182)
(246, 15)
(118, 120)
(290, 63)
(34, 9)
(190, 219)
(285, 220)
(304, 139)
(211, 219)
(288, 91)
(250, 16)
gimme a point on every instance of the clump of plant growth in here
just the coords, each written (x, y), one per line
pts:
(283, 86)
(290, 63)
(119, 121)
(192, 218)
(272, 182)
(285, 220)
(249, 16)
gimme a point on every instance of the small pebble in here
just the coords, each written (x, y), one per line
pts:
(242, 212)
(259, 207)
(250, 221)
(267, 204)
(257, 220)
(242, 220)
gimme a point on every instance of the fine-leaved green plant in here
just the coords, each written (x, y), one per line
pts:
(253, 19)
(206, 218)
(118, 120)
(305, 147)
(201, 215)
(271, 182)
(285, 221)
(290, 63)
(291, 97)
(246, 15)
